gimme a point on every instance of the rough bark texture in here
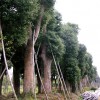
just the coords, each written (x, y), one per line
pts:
(37, 29)
(29, 57)
(16, 80)
(29, 67)
(47, 70)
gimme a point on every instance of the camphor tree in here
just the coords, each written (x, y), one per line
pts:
(29, 55)
(50, 40)
(91, 71)
(85, 65)
(71, 71)
(81, 59)
(14, 20)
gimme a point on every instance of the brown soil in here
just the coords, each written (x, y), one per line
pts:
(10, 96)
(55, 96)
(6, 98)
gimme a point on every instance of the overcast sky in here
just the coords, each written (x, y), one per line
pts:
(85, 13)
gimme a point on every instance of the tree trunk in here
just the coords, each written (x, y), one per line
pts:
(47, 70)
(29, 57)
(47, 75)
(37, 28)
(29, 67)
(16, 80)
(59, 87)
(68, 86)
(74, 88)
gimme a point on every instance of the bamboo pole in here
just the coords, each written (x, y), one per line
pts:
(64, 81)
(40, 77)
(5, 60)
(58, 72)
(2, 73)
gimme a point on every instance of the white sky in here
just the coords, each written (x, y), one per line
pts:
(85, 13)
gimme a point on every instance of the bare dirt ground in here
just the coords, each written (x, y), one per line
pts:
(6, 98)
(56, 96)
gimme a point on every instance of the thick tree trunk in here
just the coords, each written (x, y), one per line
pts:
(29, 67)
(29, 57)
(16, 80)
(47, 75)
(47, 70)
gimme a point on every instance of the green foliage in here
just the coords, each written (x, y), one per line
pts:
(47, 3)
(85, 63)
(15, 16)
(90, 69)
(92, 73)
(93, 88)
(55, 23)
(70, 68)
(73, 74)
(28, 96)
(57, 46)
(81, 59)
(51, 37)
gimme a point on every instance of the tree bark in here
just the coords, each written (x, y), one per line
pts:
(29, 66)
(29, 57)
(74, 88)
(37, 28)
(47, 70)
(16, 80)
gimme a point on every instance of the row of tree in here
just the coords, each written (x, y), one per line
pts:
(29, 24)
